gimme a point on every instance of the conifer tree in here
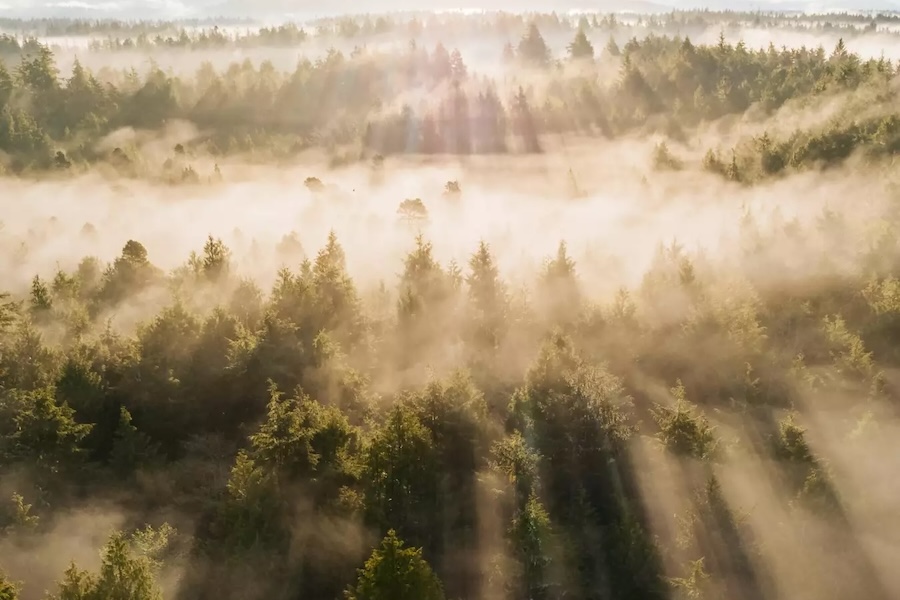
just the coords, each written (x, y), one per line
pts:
(394, 572)
(533, 50)
(581, 48)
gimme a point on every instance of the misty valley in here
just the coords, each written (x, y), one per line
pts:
(451, 305)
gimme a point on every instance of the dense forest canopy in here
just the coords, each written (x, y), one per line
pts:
(463, 306)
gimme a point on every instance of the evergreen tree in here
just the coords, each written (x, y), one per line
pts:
(524, 123)
(581, 48)
(394, 572)
(533, 50)
(612, 48)
(122, 576)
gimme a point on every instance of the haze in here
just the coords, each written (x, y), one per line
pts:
(448, 304)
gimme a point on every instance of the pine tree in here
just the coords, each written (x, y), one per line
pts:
(41, 304)
(533, 49)
(581, 48)
(122, 576)
(612, 48)
(529, 536)
(524, 123)
(396, 573)
(457, 65)
(732, 171)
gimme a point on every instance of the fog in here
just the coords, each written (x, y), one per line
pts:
(727, 277)
(504, 202)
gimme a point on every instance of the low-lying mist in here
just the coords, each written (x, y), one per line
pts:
(521, 206)
(612, 327)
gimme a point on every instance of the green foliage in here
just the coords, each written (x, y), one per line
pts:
(399, 471)
(40, 300)
(518, 462)
(849, 352)
(581, 48)
(8, 590)
(394, 572)
(663, 159)
(249, 518)
(45, 431)
(809, 478)
(682, 430)
(131, 448)
(413, 211)
(532, 49)
(122, 576)
(48, 121)
(18, 518)
(692, 586)
(530, 537)
(456, 403)
(303, 439)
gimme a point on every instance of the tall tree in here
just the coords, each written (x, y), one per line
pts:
(399, 476)
(396, 573)
(581, 48)
(533, 50)
(488, 302)
(457, 65)
(524, 123)
(122, 576)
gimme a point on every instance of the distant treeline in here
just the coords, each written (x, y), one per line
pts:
(113, 35)
(351, 104)
(210, 33)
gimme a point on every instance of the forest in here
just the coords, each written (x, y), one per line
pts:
(450, 306)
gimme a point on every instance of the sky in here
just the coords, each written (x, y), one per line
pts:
(294, 9)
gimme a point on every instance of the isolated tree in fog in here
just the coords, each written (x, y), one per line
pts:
(216, 259)
(314, 184)
(131, 272)
(452, 189)
(396, 573)
(413, 211)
